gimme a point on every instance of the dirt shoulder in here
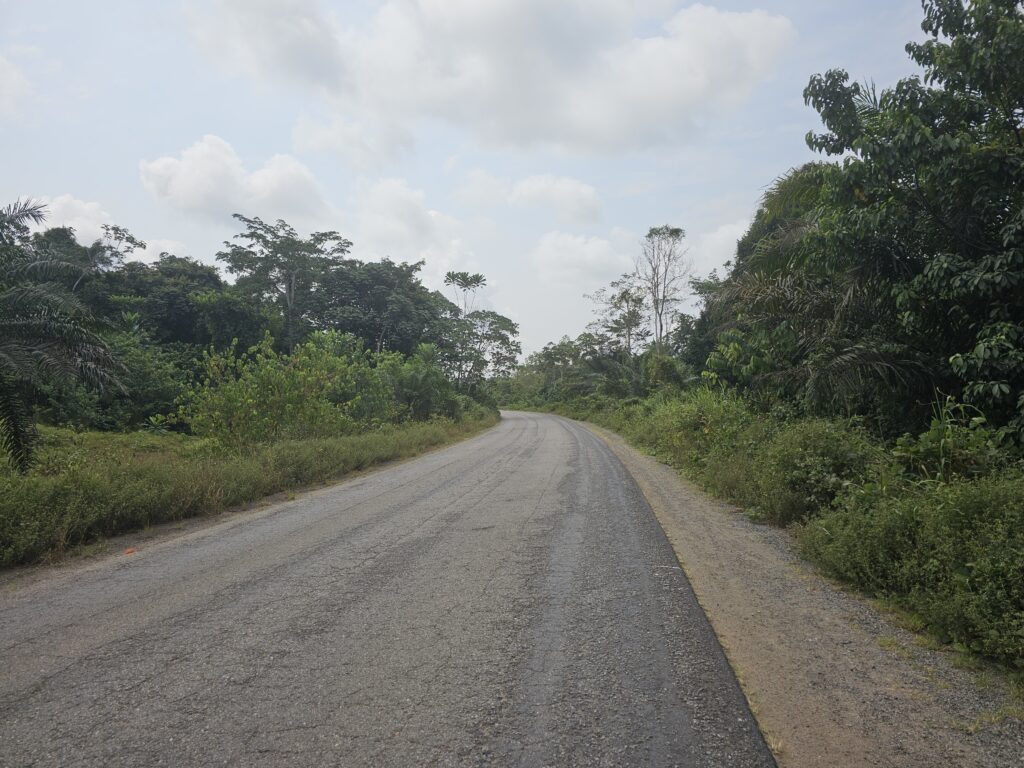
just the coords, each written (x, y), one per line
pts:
(831, 680)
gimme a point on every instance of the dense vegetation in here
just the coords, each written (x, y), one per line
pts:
(162, 390)
(859, 370)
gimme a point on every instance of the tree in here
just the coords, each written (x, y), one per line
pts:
(44, 333)
(484, 343)
(385, 305)
(661, 269)
(496, 342)
(465, 285)
(929, 199)
(277, 266)
(622, 312)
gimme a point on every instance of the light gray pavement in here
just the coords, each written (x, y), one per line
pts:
(510, 600)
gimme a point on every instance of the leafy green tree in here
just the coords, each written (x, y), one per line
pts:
(422, 388)
(385, 305)
(478, 346)
(495, 342)
(277, 266)
(44, 330)
(622, 313)
(152, 378)
(929, 199)
(263, 396)
(226, 316)
(465, 285)
(163, 295)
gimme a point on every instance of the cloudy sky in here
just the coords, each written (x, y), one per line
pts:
(535, 141)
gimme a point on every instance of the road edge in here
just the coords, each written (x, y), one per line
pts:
(97, 552)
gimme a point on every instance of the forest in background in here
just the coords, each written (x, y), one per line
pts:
(858, 371)
(134, 393)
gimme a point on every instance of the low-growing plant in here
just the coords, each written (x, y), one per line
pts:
(261, 396)
(957, 443)
(806, 464)
(934, 524)
(90, 485)
(953, 552)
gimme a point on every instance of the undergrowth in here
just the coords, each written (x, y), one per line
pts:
(90, 485)
(934, 523)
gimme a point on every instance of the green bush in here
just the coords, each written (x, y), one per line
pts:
(805, 465)
(698, 428)
(957, 444)
(262, 396)
(152, 378)
(328, 386)
(952, 552)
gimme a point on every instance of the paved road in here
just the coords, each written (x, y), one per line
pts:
(510, 600)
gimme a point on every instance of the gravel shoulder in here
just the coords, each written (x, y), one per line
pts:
(831, 680)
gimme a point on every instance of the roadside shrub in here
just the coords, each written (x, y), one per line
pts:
(328, 386)
(958, 443)
(90, 485)
(699, 427)
(936, 523)
(152, 378)
(805, 465)
(423, 390)
(262, 396)
(952, 552)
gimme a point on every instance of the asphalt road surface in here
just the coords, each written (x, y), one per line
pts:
(510, 600)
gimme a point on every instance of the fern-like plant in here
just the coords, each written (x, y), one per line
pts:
(45, 331)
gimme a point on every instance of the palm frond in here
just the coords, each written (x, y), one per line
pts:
(17, 432)
(39, 269)
(46, 333)
(21, 212)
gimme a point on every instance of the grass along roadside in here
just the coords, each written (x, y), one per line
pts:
(91, 485)
(934, 524)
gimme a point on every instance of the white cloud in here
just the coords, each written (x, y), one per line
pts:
(283, 38)
(86, 218)
(154, 248)
(209, 178)
(583, 261)
(712, 249)
(395, 221)
(569, 199)
(516, 72)
(355, 143)
(479, 187)
(14, 87)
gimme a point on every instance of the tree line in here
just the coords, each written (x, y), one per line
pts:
(92, 338)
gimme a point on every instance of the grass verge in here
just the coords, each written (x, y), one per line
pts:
(91, 485)
(933, 524)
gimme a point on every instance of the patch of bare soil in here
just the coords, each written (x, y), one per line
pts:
(831, 680)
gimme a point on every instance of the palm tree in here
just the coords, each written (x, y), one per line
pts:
(836, 306)
(44, 330)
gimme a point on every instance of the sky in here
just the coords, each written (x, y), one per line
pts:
(534, 141)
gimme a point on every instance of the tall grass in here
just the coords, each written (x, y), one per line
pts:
(90, 485)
